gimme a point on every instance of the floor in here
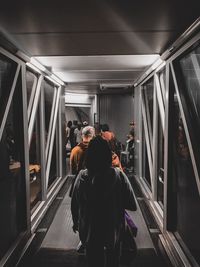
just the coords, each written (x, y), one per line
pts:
(55, 243)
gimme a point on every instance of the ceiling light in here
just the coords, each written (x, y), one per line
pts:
(156, 64)
(37, 64)
(58, 80)
(105, 86)
(33, 67)
(52, 80)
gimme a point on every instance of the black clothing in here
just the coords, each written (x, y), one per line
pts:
(98, 204)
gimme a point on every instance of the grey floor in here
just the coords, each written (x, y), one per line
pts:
(58, 248)
(60, 234)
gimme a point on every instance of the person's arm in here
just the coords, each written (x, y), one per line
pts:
(74, 159)
(75, 204)
(116, 162)
(67, 132)
(128, 194)
(75, 133)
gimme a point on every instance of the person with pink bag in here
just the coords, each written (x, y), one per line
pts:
(99, 199)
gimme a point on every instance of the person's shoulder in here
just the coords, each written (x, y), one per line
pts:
(120, 174)
(117, 172)
(76, 149)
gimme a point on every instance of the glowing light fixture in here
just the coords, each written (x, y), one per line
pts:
(33, 67)
(157, 63)
(58, 80)
(37, 64)
(52, 80)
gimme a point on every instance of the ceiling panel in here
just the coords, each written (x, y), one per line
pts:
(36, 16)
(109, 62)
(92, 41)
(104, 43)
(120, 68)
(98, 76)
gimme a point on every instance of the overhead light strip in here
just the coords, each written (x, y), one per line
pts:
(38, 67)
(52, 80)
(33, 67)
(37, 64)
(58, 80)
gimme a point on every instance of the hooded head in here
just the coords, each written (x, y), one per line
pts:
(99, 155)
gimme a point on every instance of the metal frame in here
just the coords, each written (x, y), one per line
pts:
(42, 144)
(148, 119)
(195, 39)
(29, 116)
(162, 86)
(185, 248)
(164, 106)
(9, 55)
(9, 100)
(59, 158)
(167, 165)
(147, 138)
(51, 120)
(155, 143)
(26, 154)
(46, 158)
(57, 130)
(33, 91)
(19, 70)
(159, 99)
(78, 105)
(35, 107)
(159, 113)
(140, 133)
(52, 137)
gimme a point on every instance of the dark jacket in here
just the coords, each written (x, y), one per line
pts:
(98, 204)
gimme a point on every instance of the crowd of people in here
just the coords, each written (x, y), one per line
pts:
(100, 192)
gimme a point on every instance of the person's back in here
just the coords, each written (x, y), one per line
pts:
(71, 135)
(100, 196)
(77, 156)
(109, 136)
(107, 195)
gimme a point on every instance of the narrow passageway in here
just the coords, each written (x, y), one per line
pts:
(54, 244)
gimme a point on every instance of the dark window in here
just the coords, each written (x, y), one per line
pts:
(12, 177)
(7, 74)
(187, 195)
(187, 68)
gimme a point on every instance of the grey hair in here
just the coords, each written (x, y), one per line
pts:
(88, 131)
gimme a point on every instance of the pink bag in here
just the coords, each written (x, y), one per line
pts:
(131, 224)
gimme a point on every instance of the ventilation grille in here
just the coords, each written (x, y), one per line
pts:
(114, 86)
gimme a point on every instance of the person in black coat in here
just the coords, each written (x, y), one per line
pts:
(101, 195)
